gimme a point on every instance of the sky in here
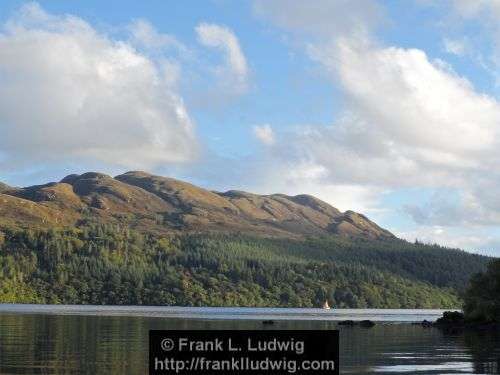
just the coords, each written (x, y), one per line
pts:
(389, 108)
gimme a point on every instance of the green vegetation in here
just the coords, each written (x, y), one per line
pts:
(136, 239)
(111, 264)
(482, 299)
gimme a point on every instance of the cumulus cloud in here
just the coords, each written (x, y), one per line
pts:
(233, 74)
(412, 100)
(412, 122)
(409, 121)
(264, 133)
(402, 127)
(70, 92)
(465, 238)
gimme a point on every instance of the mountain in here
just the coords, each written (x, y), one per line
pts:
(144, 239)
(4, 187)
(165, 204)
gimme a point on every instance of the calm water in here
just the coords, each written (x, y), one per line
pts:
(41, 340)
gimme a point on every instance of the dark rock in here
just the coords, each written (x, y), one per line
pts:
(268, 322)
(426, 324)
(352, 323)
(451, 319)
(366, 324)
(347, 323)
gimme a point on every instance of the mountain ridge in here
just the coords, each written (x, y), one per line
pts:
(4, 187)
(143, 239)
(149, 202)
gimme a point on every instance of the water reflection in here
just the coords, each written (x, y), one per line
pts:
(417, 350)
(485, 351)
(49, 344)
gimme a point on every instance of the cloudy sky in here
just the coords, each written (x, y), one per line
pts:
(390, 108)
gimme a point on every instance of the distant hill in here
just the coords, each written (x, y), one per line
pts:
(144, 239)
(165, 204)
(4, 187)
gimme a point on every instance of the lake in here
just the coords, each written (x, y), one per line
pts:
(38, 339)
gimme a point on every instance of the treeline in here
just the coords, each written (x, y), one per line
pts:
(110, 264)
(482, 299)
(434, 264)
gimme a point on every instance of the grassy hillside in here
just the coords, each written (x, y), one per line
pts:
(144, 239)
(112, 264)
(164, 205)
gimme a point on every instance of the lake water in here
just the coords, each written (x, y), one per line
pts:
(114, 340)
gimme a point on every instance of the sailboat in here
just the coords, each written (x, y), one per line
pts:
(326, 306)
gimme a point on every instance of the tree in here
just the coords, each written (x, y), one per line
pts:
(482, 298)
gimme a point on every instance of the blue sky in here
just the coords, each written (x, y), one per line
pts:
(389, 108)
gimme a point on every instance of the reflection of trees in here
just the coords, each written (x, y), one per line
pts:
(484, 348)
(60, 345)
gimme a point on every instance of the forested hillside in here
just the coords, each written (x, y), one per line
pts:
(144, 239)
(113, 264)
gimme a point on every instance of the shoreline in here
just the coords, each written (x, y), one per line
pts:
(231, 313)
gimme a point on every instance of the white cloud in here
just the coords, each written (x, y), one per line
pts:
(323, 17)
(413, 102)
(409, 121)
(234, 73)
(455, 46)
(413, 123)
(465, 238)
(70, 92)
(469, 9)
(264, 133)
(486, 41)
(144, 34)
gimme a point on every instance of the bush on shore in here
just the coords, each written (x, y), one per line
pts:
(482, 298)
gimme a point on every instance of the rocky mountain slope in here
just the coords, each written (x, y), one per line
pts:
(161, 204)
(4, 187)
